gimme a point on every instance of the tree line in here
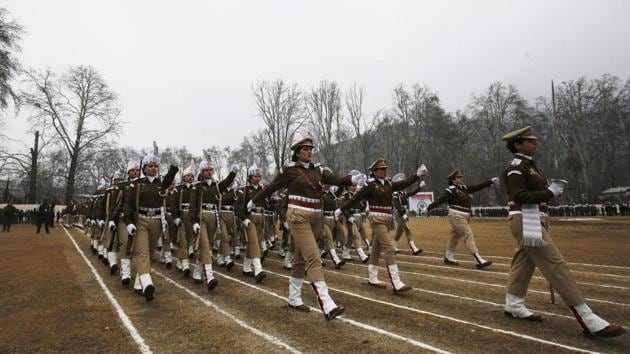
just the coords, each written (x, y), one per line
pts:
(582, 124)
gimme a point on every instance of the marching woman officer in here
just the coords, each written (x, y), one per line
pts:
(205, 203)
(304, 215)
(183, 221)
(458, 196)
(378, 192)
(133, 172)
(142, 214)
(401, 200)
(528, 191)
(252, 220)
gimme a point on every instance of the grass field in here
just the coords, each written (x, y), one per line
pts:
(56, 296)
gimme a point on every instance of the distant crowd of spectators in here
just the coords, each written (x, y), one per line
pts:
(581, 210)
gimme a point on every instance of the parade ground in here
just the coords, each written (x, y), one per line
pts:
(56, 296)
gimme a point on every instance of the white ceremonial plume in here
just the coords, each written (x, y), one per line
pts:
(150, 158)
(117, 175)
(133, 164)
(205, 164)
(189, 170)
(398, 177)
(253, 170)
(102, 184)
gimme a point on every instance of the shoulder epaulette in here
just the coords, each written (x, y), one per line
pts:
(450, 189)
(371, 180)
(290, 164)
(516, 162)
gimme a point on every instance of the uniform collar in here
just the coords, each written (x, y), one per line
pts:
(151, 178)
(523, 156)
(306, 165)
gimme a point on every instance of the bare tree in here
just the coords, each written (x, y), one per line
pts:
(281, 107)
(10, 35)
(361, 127)
(324, 107)
(79, 107)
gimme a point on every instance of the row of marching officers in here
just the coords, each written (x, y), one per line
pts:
(138, 216)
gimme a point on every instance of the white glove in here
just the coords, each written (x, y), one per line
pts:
(405, 217)
(246, 223)
(112, 225)
(338, 213)
(131, 229)
(556, 187)
(101, 223)
(177, 221)
(250, 206)
(88, 222)
(196, 228)
(495, 180)
(350, 220)
(422, 184)
(422, 171)
(286, 225)
(234, 168)
(359, 179)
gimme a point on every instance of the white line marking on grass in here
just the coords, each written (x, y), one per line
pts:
(420, 258)
(142, 346)
(492, 329)
(343, 318)
(510, 258)
(415, 288)
(505, 274)
(493, 273)
(268, 337)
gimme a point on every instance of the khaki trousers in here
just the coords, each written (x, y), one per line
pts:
(329, 226)
(227, 232)
(305, 227)
(145, 243)
(548, 259)
(206, 236)
(124, 248)
(254, 235)
(402, 228)
(460, 229)
(186, 236)
(381, 242)
(107, 236)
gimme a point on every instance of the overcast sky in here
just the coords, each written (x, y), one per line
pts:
(184, 69)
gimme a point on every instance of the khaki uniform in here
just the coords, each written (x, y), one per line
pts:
(228, 223)
(401, 201)
(185, 235)
(460, 202)
(378, 194)
(142, 207)
(304, 212)
(204, 205)
(254, 231)
(355, 231)
(526, 184)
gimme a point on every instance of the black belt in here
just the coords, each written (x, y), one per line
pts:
(150, 212)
